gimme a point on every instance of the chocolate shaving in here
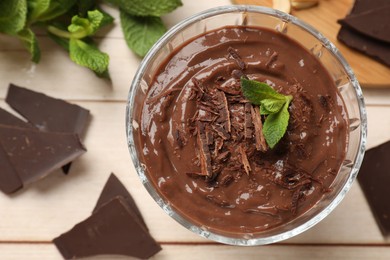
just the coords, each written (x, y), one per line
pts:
(240, 63)
(204, 152)
(222, 157)
(237, 74)
(226, 180)
(261, 144)
(244, 160)
(221, 131)
(223, 109)
(272, 59)
(248, 121)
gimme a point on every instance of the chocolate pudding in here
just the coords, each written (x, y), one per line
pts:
(202, 142)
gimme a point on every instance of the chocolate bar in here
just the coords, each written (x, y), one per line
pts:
(374, 179)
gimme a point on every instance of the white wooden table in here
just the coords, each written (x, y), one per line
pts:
(31, 218)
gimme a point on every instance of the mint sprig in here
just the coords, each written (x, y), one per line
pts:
(81, 48)
(272, 104)
(73, 23)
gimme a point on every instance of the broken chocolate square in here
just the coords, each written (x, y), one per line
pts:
(373, 47)
(374, 23)
(374, 179)
(33, 154)
(114, 188)
(113, 229)
(47, 113)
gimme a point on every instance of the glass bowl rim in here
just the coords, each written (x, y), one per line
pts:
(284, 17)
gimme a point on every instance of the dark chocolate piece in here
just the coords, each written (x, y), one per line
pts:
(378, 50)
(34, 154)
(114, 188)
(9, 179)
(7, 118)
(374, 179)
(373, 23)
(113, 229)
(47, 113)
(375, 49)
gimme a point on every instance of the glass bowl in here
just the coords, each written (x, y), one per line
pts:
(310, 39)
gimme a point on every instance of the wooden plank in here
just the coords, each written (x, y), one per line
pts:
(194, 252)
(53, 205)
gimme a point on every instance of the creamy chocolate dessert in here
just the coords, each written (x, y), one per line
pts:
(202, 142)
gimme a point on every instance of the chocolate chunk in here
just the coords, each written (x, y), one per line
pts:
(114, 229)
(376, 49)
(34, 154)
(240, 63)
(47, 113)
(204, 152)
(374, 179)
(114, 188)
(374, 23)
(261, 144)
(7, 118)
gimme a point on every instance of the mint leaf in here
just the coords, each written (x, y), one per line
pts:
(55, 9)
(13, 15)
(82, 27)
(146, 7)
(36, 8)
(275, 126)
(256, 91)
(271, 106)
(30, 43)
(89, 56)
(141, 32)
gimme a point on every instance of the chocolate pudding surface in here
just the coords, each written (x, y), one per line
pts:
(201, 141)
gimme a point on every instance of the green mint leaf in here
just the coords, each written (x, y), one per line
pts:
(55, 9)
(256, 91)
(146, 7)
(89, 56)
(36, 8)
(13, 14)
(30, 42)
(271, 106)
(141, 32)
(275, 126)
(82, 27)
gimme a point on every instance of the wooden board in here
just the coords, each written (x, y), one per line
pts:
(324, 18)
